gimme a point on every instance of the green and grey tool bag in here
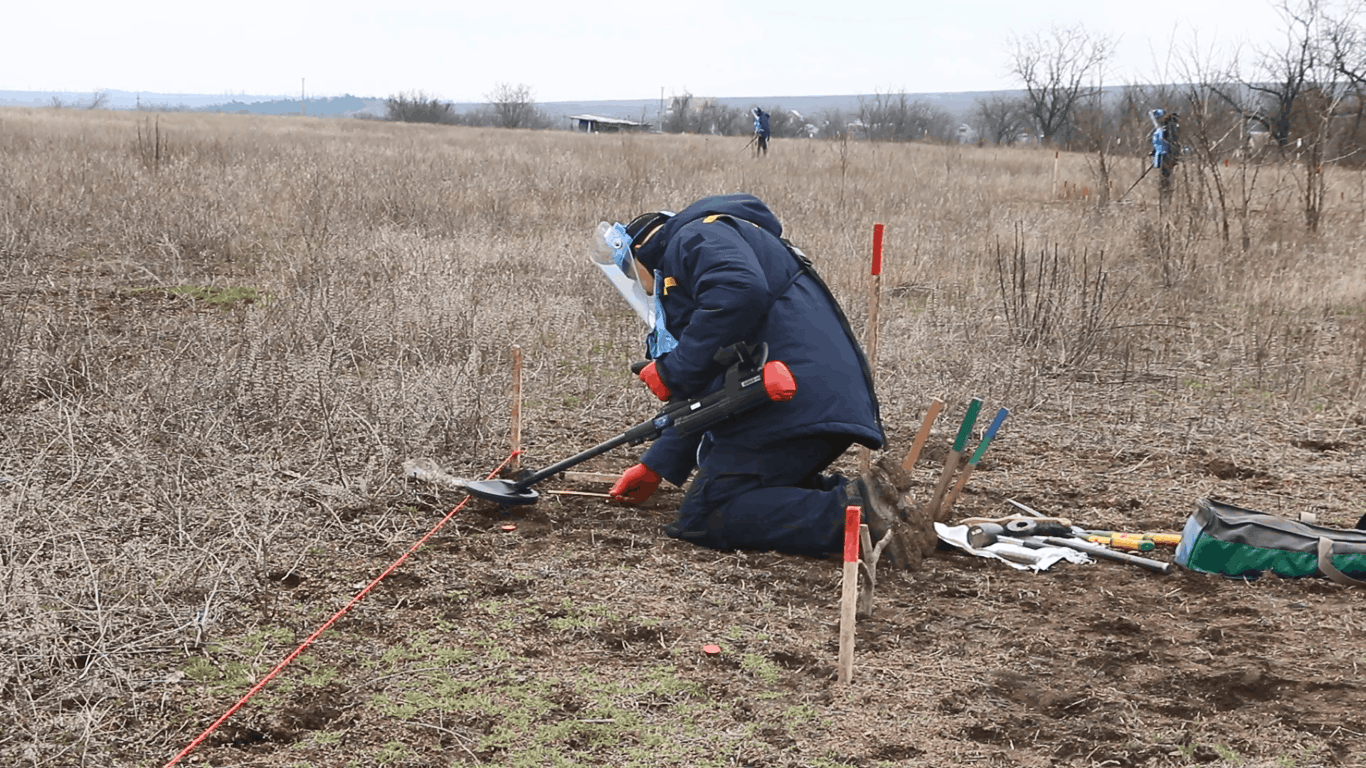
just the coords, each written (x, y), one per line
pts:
(1224, 539)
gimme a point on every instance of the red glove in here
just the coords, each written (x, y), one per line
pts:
(650, 375)
(635, 485)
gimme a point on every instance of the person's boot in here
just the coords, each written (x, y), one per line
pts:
(876, 493)
(913, 515)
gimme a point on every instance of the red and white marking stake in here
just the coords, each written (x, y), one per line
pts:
(874, 294)
(849, 596)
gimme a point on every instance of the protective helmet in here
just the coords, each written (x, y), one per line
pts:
(1158, 113)
(643, 226)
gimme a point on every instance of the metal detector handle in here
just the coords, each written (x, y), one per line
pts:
(743, 392)
(738, 354)
(754, 356)
(745, 389)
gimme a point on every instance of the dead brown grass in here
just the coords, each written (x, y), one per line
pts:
(216, 348)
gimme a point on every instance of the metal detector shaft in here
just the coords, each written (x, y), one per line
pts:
(637, 434)
(750, 381)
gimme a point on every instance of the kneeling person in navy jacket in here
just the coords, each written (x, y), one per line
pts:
(720, 274)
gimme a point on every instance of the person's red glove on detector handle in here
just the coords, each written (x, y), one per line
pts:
(650, 375)
(635, 485)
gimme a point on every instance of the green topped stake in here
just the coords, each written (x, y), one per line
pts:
(972, 462)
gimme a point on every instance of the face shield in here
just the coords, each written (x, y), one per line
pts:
(611, 252)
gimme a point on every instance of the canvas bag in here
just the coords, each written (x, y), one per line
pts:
(1224, 539)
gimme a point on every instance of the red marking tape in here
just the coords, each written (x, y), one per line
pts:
(309, 640)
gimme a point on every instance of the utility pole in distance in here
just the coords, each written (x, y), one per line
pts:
(303, 110)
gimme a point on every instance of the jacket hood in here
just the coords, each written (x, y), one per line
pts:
(746, 207)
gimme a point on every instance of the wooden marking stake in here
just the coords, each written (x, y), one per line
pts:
(516, 419)
(849, 595)
(874, 296)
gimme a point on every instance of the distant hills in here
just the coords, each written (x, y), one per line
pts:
(349, 106)
(333, 106)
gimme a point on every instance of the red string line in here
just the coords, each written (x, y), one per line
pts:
(309, 640)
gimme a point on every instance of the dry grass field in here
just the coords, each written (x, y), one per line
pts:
(221, 335)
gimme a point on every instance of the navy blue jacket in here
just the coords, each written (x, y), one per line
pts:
(724, 276)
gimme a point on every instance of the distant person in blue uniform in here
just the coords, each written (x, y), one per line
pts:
(761, 131)
(721, 274)
(1166, 145)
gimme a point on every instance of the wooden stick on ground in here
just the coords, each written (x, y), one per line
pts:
(936, 405)
(951, 461)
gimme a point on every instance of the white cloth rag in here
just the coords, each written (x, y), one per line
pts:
(957, 535)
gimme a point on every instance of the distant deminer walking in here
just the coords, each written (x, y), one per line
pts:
(761, 131)
(1166, 146)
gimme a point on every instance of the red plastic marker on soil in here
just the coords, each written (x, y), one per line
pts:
(309, 640)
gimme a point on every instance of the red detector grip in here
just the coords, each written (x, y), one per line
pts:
(778, 381)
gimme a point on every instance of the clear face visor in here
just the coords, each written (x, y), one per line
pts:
(610, 250)
(611, 245)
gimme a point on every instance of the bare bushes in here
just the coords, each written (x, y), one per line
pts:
(417, 107)
(1059, 305)
(895, 117)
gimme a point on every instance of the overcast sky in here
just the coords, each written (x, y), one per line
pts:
(459, 50)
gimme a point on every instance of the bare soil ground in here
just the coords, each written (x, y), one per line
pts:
(576, 638)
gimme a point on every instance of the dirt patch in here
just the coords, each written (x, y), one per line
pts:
(579, 633)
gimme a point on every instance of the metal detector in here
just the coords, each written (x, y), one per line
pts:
(751, 381)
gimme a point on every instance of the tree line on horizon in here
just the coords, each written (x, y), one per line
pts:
(1302, 98)
(1309, 89)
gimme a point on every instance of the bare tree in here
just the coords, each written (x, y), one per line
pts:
(417, 107)
(999, 119)
(721, 120)
(1344, 41)
(1306, 81)
(679, 116)
(512, 105)
(832, 123)
(98, 100)
(1283, 72)
(894, 117)
(1059, 69)
(785, 123)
